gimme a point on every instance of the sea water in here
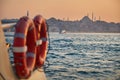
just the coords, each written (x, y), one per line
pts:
(81, 56)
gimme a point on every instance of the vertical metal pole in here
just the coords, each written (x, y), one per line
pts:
(28, 13)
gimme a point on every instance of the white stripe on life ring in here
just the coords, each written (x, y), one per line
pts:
(38, 42)
(20, 49)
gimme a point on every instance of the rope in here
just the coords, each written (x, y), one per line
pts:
(48, 63)
(45, 67)
(2, 76)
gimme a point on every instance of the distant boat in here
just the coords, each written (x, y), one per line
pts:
(62, 32)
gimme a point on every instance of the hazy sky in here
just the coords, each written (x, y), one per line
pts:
(108, 10)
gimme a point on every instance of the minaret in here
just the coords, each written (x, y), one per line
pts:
(99, 18)
(92, 16)
(27, 13)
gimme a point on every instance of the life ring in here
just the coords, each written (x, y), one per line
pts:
(24, 47)
(42, 37)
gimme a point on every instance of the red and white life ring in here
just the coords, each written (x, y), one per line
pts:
(24, 47)
(42, 37)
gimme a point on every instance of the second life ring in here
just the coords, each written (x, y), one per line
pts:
(42, 37)
(24, 47)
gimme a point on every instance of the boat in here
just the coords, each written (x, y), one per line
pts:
(62, 31)
(7, 70)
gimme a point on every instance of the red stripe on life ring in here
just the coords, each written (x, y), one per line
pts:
(24, 59)
(41, 34)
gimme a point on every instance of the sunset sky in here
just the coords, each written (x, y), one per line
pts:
(108, 10)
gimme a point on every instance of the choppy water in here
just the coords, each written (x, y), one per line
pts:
(83, 56)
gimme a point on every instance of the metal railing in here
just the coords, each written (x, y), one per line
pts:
(6, 26)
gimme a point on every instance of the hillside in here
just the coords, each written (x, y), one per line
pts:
(83, 25)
